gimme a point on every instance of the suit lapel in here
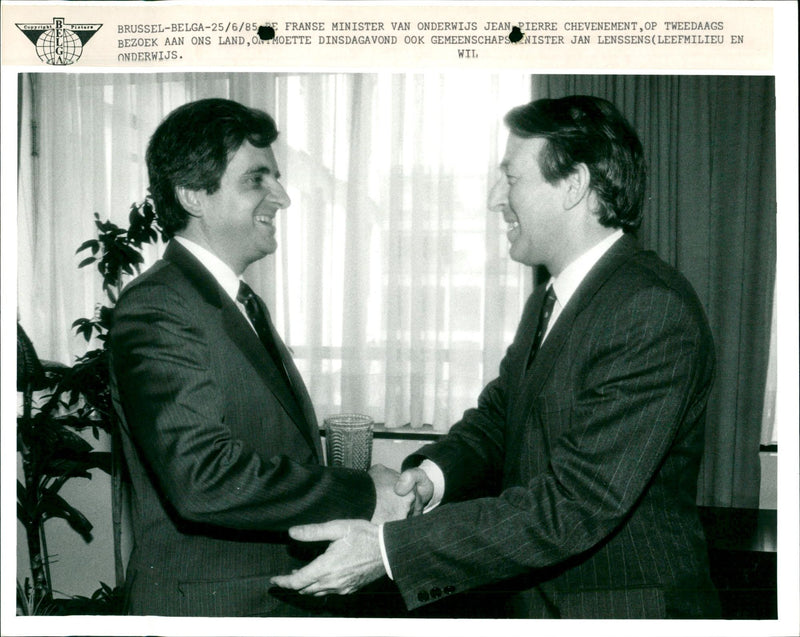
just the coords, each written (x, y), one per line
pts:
(301, 392)
(532, 380)
(244, 337)
(298, 387)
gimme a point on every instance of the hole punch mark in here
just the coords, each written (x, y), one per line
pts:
(266, 32)
(516, 34)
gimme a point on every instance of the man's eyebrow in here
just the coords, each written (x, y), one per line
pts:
(262, 170)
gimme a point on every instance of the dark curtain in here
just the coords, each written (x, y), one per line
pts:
(710, 212)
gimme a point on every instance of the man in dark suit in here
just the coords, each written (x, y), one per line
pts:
(572, 485)
(218, 431)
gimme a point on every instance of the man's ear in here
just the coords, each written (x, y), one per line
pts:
(191, 200)
(577, 186)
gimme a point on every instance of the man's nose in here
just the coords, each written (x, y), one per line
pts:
(498, 195)
(278, 195)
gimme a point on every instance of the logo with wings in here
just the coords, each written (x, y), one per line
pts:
(59, 44)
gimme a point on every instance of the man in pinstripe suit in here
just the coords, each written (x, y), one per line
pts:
(218, 431)
(572, 484)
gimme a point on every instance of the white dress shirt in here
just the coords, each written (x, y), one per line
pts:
(573, 275)
(221, 271)
(564, 285)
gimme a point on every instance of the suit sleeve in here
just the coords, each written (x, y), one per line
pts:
(643, 370)
(175, 414)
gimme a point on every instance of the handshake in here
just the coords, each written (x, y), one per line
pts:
(353, 558)
(399, 495)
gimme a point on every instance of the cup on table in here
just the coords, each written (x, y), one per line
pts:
(348, 441)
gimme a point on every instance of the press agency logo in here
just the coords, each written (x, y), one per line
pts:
(58, 43)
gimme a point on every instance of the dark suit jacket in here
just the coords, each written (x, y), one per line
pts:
(589, 460)
(223, 454)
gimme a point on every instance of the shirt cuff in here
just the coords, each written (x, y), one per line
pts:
(436, 476)
(383, 553)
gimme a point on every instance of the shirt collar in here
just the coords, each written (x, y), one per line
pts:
(220, 270)
(571, 277)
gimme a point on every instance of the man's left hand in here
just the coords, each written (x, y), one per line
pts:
(352, 560)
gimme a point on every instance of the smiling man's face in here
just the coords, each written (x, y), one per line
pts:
(533, 208)
(238, 220)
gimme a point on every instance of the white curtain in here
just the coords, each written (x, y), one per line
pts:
(392, 284)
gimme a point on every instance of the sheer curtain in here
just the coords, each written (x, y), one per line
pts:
(406, 293)
(392, 284)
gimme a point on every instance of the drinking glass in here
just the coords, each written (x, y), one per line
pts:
(348, 441)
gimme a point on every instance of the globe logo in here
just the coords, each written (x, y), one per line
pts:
(58, 43)
(59, 47)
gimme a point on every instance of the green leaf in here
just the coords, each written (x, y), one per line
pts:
(94, 244)
(84, 327)
(131, 254)
(23, 505)
(63, 470)
(54, 506)
(80, 467)
(104, 316)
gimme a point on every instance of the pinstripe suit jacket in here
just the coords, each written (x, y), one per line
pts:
(588, 461)
(223, 454)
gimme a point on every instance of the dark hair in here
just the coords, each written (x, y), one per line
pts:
(589, 130)
(192, 147)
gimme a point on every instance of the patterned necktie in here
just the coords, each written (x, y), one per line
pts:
(259, 317)
(544, 320)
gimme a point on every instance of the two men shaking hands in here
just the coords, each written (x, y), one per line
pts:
(356, 555)
(572, 481)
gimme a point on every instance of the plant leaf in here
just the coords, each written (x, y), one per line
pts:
(94, 244)
(54, 506)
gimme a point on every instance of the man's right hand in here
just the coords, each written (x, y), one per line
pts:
(390, 504)
(415, 481)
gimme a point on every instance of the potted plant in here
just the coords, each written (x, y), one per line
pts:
(59, 403)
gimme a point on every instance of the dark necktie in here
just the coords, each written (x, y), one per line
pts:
(259, 317)
(544, 319)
